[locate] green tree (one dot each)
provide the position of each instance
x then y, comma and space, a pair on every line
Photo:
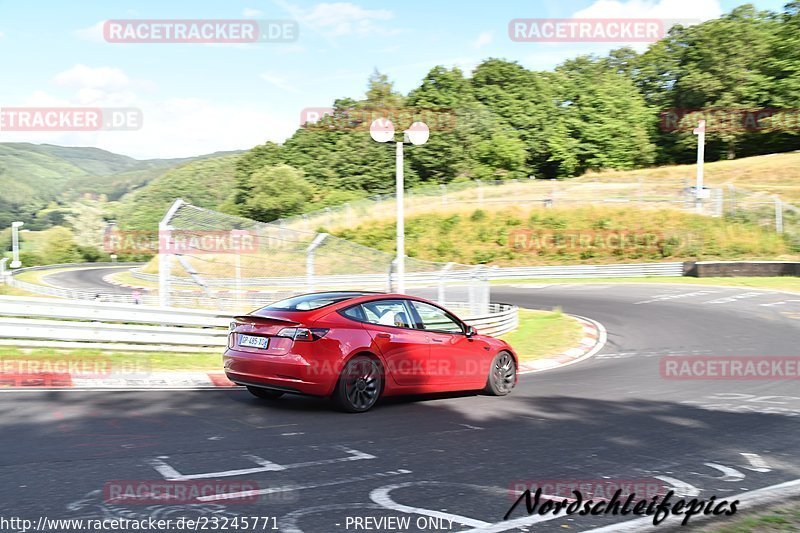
276, 191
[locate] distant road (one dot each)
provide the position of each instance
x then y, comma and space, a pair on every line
87, 279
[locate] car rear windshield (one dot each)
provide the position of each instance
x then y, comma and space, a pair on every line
309, 302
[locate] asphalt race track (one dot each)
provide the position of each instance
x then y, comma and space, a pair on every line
610, 417
87, 279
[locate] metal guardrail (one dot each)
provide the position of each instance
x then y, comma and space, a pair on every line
42, 321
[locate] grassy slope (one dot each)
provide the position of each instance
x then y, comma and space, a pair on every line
772, 174
543, 334
499, 235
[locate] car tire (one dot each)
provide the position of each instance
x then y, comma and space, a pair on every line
360, 385
266, 394
502, 375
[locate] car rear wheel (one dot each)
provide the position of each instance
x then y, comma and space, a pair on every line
267, 394
359, 385
502, 375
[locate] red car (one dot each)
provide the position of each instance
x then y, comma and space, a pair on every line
358, 346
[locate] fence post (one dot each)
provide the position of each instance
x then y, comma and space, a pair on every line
310, 260
479, 190
441, 296
390, 285
720, 202
778, 215
443, 188
3, 270
164, 255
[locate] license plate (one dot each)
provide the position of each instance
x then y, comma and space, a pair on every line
251, 341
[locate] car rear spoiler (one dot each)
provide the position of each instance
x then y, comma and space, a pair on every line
265, 320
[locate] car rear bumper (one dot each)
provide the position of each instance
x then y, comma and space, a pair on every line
288, 373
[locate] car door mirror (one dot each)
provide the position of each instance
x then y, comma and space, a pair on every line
471, 331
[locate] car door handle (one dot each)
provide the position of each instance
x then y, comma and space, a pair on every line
437, 340
383, 335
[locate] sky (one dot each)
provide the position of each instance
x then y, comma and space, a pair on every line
198, 98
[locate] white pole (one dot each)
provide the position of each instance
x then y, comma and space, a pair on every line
310, 260
165, 252
701, 149
401, 230
15, 262
778, 215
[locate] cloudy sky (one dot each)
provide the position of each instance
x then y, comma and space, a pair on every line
201, 98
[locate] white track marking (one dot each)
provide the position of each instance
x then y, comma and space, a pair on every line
681, 488
166, 471
767, 495
381, 497
170, 474
784, 302
290, 488
737, 297
757, 463
664, 297
728, 473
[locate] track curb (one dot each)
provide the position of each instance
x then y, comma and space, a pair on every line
594, 338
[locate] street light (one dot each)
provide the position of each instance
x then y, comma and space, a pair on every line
382, 130
15, 263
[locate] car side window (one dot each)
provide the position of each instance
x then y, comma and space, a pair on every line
388, 313
355, 312
436, 319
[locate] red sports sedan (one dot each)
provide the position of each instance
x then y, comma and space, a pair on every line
359, 346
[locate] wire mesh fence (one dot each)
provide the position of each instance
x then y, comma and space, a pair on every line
211, 259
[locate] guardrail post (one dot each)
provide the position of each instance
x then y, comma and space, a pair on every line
778, 215
310, 260
3, 262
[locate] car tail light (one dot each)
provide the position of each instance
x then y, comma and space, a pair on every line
303, 334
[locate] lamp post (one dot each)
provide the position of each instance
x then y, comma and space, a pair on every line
15, 263
700, 131
382, 130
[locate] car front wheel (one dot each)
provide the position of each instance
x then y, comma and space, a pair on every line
359, 385
502, 375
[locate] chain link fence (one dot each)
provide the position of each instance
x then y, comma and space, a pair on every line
211, 259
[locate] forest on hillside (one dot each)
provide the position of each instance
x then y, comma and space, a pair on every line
503, 121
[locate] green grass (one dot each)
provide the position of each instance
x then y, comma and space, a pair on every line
534, 235
782, 517
121, 361
782, 283
543, 334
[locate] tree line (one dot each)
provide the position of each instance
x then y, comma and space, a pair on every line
624, 111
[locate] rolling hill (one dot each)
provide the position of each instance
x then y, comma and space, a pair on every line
33, 175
